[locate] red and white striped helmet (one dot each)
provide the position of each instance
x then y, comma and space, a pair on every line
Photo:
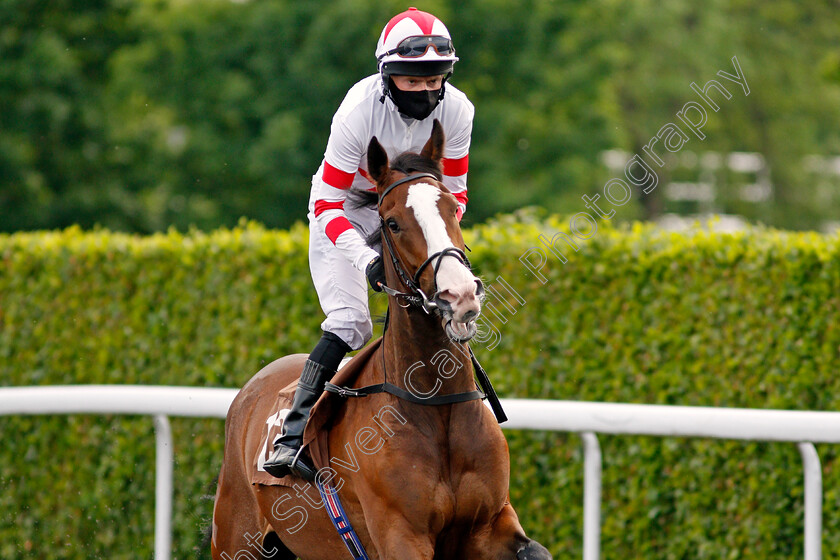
415, 43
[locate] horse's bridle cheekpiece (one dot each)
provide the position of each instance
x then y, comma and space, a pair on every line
416, 296
419, 298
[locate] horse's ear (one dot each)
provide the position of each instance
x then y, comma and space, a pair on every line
377, 160
433, 149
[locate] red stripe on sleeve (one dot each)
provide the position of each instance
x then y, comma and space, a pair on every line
461, 197
336, 227
364, 174
337, 178
322, 206
456, 167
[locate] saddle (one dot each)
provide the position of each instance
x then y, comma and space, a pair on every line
316, 434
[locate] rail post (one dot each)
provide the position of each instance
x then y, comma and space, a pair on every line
591, 496
813, 500
163, 487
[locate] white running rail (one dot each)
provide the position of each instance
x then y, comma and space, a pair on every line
587, 418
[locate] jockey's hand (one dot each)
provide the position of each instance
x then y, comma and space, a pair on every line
375, 273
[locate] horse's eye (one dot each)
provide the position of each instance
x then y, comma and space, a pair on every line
393, 225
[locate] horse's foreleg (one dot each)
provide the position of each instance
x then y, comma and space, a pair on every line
504, 539
395, 539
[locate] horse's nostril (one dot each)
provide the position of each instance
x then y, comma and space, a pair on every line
469, 316
479, 288
442, 300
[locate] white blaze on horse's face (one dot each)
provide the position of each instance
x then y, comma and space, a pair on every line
459, 290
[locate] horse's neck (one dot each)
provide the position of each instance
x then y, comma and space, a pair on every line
421, 359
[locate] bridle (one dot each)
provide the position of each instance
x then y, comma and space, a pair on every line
415, 296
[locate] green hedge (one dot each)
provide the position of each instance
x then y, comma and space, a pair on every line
636, 315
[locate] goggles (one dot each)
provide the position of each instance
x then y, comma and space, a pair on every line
418, 45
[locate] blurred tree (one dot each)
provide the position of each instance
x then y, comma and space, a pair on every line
792, 110
537, 132
141, 114
651, 52
55, 151
236, 100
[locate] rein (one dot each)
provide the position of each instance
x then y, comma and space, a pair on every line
403, 394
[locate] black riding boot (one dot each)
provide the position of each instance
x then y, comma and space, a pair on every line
319, 368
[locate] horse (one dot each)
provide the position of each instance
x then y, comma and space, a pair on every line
419, 480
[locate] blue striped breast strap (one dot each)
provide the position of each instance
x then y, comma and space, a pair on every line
332, 503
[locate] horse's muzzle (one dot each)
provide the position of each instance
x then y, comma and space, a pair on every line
459, 308
463, 303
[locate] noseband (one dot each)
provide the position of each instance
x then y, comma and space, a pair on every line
416, 296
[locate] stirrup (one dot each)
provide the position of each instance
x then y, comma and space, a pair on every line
299, 467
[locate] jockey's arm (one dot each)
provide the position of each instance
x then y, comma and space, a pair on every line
456, 159
341, 162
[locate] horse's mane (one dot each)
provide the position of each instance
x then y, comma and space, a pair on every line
415, 163
407, 163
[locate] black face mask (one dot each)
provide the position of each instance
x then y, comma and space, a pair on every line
415, 104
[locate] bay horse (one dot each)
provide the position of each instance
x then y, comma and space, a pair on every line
418, 481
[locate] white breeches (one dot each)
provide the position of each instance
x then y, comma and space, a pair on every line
342, 289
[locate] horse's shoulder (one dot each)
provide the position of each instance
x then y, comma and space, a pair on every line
476, 434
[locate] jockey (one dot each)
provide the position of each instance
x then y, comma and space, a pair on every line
397, 105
